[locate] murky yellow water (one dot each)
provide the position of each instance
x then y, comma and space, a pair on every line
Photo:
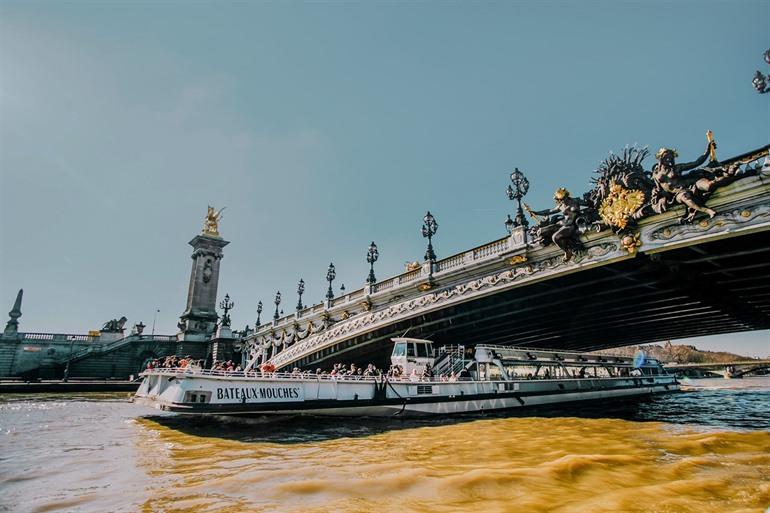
707, 450
514, 464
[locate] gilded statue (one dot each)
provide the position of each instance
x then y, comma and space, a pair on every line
211, 223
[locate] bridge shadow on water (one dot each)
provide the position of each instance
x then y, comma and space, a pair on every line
302, 429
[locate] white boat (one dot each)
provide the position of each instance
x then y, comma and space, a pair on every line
487, 378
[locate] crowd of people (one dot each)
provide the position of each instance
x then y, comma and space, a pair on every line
338, 370
187, 362
353, 371
174, 362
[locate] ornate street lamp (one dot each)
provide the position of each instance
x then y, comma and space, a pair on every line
330, 275
371, 258
518, 191
300, 291
226, 305
429, 228
509, 224
760, 81
342, 289
277, 302
259, 313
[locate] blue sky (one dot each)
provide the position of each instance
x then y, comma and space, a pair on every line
324, 126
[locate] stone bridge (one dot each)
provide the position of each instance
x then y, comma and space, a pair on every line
660, 277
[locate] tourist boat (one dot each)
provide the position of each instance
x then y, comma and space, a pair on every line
485, 378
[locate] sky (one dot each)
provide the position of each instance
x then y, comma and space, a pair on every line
324, 126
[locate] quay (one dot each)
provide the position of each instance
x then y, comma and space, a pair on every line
57, 386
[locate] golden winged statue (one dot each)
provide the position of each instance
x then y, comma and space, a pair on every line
211, 223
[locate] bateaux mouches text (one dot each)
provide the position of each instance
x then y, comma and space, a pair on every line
259, 394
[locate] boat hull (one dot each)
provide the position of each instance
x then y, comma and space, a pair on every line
221, 395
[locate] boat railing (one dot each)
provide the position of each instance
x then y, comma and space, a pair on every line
288, 376
194, 371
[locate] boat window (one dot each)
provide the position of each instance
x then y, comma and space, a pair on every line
422, 350
410, 350
399, 349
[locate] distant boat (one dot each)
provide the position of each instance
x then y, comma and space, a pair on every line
444, 382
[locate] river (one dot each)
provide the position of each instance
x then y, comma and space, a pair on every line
706, 449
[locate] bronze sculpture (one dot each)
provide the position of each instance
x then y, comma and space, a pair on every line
563, 228
114, 325
624, 192
673, 186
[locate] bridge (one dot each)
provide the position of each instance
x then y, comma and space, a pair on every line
612, 269
736, 369
676, 252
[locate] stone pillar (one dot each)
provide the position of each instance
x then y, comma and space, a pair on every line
12, 326
518, 237
199, 319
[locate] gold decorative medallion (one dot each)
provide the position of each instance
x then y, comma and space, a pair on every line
517, 259
618, 207
424, 287
366, 305
631, 243
746, 214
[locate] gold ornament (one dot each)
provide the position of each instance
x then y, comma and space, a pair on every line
618, 207
517, 259
631, 243
211, 224
662, 151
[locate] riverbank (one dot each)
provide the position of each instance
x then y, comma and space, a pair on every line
71, 386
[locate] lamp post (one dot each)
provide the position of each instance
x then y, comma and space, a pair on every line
226, 305
509, 224
429, 228
277, 302
155, 317
518, 191
330, 275
371, 257
300, 291
259, 314
760, 81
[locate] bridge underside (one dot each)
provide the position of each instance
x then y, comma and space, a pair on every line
712, 288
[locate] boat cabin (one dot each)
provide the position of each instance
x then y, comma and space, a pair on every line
412, 354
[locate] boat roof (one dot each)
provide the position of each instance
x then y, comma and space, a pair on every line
532, 355
405, 339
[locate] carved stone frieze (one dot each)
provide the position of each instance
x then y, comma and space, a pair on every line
721, 223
